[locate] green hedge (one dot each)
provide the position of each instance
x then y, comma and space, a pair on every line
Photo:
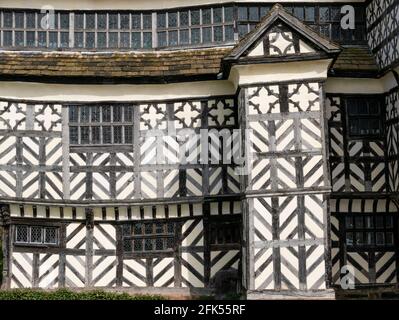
64, 294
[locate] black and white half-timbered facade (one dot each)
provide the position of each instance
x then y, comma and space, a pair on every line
189, 147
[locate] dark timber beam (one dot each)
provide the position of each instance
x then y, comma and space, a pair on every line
5, 224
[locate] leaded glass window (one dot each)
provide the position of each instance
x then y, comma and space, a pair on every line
36, 235
100, 124
148, 237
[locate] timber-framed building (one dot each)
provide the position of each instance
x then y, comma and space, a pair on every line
100, 101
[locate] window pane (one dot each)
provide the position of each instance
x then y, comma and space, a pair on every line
349, 222
101, 40
369, 222
78, 20
173, 38
242, 14
389, 238
370, 238
148, 228
253, 13
195, 17
228, 14
78, 39
136, 40
159, 244
107, 134
218, 34
19, 19
161, 20
84, 135
172, 19
206, 35
359, 238
126, 230
22, 234
73, 114
324, 14
84, 114
136, 22
335, 14
30, 20
64, 23
128, 134
90, 40
101, 21
147, 21
138, 245
53, 39
147, 40
19, 38
229, 33
195, 35
90, 21
242, 30
349, 238
73, 135
125, 40
95, 135
206, 16
183, 18
7, 19
138, 229
30, 38
299, 13
7, 38
113, 21
379, 222
95, 114
148, 244
64, 39
169, 243
36, 235
359, 222
389, 222
217, 15
106, 114
159, 227
171, 227
50, 235
127, 114
113, 40
380, 238
184, 37
125, 21
127, 245
118, 134
309, 14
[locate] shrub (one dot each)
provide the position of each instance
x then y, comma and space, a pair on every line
65, 294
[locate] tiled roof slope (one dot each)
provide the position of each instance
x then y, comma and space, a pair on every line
355, 59
187, 63
199, 63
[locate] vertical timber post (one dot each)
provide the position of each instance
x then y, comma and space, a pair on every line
89, 246
5, 223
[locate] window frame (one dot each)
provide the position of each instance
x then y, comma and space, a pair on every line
43, 231
78, 124
364, 230
364, 98
143, 236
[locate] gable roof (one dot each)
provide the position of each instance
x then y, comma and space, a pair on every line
278, 13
